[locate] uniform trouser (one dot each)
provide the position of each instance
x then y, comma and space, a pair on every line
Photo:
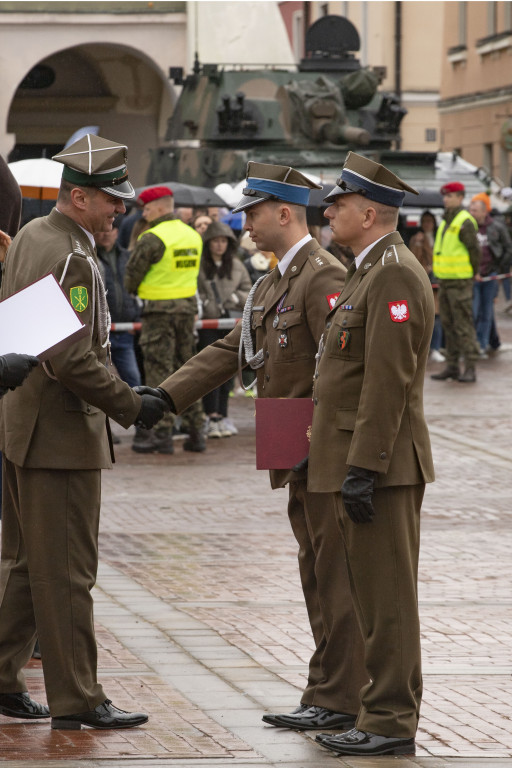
336, 669
48, 568
167, 342
382, 560
456, 311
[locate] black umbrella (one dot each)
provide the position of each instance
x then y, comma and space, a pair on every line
187, 195
427, 198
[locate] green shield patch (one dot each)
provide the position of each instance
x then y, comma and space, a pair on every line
79, 298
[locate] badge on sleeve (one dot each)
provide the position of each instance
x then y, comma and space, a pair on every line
332, 299
399, 311
79, 298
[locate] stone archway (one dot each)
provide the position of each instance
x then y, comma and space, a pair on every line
114, 87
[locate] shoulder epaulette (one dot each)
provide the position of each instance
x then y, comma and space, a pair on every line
317, 258
390, 256
77, 247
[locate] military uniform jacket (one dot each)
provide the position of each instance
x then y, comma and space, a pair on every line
57, 421
368, 392
289, 337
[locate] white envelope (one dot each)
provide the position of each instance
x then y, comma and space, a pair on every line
39, 320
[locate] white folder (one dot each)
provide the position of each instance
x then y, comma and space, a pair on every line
39, 320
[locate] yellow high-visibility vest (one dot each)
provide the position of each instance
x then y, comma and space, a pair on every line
451, 257
175, 275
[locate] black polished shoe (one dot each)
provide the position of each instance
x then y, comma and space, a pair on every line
313, 718
365, 744
106, 715
21, 705
274, 719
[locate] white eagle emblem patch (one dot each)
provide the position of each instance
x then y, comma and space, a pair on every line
399, 311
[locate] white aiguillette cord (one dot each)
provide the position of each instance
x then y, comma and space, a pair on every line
246, 347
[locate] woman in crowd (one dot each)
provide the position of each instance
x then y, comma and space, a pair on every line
223, 287
422, 245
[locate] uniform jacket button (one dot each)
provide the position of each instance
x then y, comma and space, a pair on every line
328, 325
267, 353
383, 455
267, 377
315, 401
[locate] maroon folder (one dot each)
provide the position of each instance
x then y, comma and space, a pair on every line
283, 429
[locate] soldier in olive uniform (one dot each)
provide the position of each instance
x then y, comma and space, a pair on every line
456, 260
283, 320
369, 439
163, 270
55, 440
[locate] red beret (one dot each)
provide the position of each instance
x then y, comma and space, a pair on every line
453, 186
154, 193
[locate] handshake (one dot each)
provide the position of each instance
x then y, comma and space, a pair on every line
155, 404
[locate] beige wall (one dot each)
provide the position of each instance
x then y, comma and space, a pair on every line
476, 91
114, 67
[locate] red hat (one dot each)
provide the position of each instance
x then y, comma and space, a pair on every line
154, 193
453, 186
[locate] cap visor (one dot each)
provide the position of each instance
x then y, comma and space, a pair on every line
247, 201
124, 190
333, 194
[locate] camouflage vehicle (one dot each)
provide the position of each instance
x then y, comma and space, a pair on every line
308, 118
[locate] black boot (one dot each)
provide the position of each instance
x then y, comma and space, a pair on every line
469, 375
450, 372
143, 440
195, 442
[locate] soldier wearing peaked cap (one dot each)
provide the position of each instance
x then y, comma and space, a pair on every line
55, 440
370, 441
283, 320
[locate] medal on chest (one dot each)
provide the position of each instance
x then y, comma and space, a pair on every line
343, 339
283, 340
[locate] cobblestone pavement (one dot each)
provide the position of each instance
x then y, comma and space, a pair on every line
200, 617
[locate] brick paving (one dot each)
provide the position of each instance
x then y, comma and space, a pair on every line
200, 618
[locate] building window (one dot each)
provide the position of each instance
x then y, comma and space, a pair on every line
492, 18
487, 158
298, 35
430, 134
463, 23
504, 166
507, 8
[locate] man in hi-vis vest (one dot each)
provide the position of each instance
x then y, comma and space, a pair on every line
455, 263
163, 270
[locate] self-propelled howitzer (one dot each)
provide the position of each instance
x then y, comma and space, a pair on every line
308, 118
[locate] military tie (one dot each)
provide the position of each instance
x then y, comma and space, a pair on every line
350, 272
276, 275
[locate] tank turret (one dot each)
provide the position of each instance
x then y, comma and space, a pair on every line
308, 118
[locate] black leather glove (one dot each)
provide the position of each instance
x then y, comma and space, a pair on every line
151, 411
15, 368
302, 464
357, 492
157, 392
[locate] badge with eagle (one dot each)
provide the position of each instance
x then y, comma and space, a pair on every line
399, 311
